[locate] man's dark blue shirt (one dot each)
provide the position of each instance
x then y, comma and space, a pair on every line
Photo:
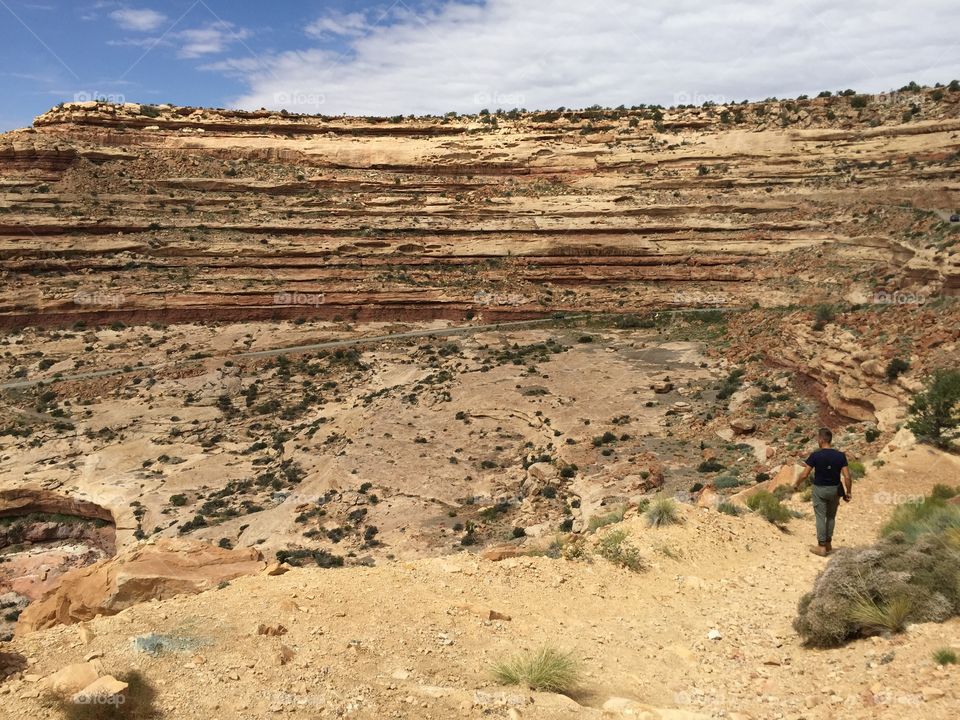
826, 464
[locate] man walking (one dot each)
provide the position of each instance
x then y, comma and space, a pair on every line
827, 465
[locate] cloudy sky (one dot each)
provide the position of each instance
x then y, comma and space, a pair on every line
419, 56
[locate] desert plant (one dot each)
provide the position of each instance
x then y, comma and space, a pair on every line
662, 511
726, 482
944, 656
823, 315
944, 492
931, 516
598, 521
767, 505
729, 509
613, 548
935, 411
896, 368
874, 616
857, 469
546, 669
880, 587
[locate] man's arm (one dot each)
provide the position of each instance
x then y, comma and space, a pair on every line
803, 477
847, 483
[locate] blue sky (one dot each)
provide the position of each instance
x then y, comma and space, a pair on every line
417, 56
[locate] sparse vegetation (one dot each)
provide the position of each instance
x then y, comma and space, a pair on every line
945, 656
935, 411
614, 548
768, 506
546, 669
661, 512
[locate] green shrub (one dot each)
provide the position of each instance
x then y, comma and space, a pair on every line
932, 516
896, 368
945, 656
857, 469
178, 500
711, 465
662, 511
598, 521
823, 315
871, 434
768, 506
726, 482
944, 492
881, 587
546, 669
935, 411
728, 508
613, 548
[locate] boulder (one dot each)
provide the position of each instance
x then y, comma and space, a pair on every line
147, 571
501, 552
101, 691
544, 472
742, 426
71, 679
786, 476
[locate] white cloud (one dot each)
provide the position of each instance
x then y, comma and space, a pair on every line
212, 39
545, 53
140, 20
352, 24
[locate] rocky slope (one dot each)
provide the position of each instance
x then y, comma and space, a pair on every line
704, 632
142, 213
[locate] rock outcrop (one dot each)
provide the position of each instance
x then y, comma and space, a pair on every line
146, 572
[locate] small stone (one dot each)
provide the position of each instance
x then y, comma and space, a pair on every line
714, 634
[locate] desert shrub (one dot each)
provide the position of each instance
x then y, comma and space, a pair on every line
823, 315
726, 482
944, 656
944, 492
546, 669
731, 384
614, 548
598, 521
935, 411
896, 368
932, 516
662, 511
881, 587
767, 505
871, 434
137, 703
859, 101
857, 469
711, 465
728, 508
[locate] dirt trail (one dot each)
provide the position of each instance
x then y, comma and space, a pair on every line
395, 641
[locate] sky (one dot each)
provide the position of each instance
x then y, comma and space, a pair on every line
434, 56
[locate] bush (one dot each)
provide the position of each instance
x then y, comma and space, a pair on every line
944, 656
612, 548
944, 492
598, 521
768, 506
178, 500
871, 434
546, 669
896, 368
935, 411
857, 469
881, 587
858, 101
726, 482
824, 314
662, 511
728, 508
711, 465
932, 516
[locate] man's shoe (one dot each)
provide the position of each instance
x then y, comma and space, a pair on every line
820, 550
829, 548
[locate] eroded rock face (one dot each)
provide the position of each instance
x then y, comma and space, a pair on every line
149, 571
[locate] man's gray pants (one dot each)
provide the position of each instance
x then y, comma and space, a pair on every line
826, 500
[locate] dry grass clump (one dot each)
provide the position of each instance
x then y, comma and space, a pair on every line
546, 669
614, 548
662, 511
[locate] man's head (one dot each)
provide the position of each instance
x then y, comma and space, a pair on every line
825, 437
